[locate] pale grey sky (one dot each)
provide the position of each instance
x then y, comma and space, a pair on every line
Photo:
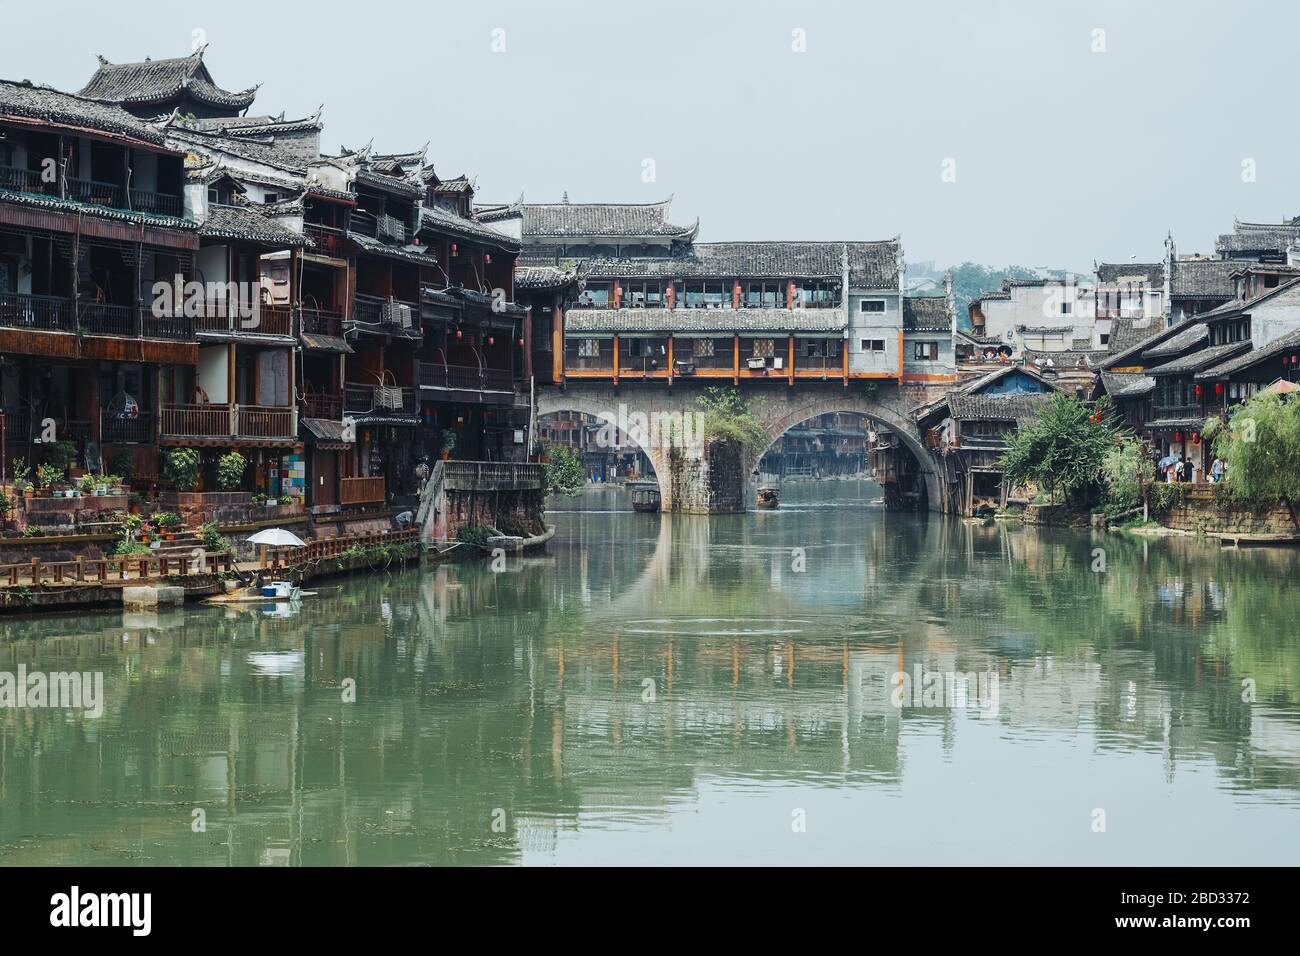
1061, 154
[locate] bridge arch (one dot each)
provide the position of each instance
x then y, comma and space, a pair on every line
777, 407
598, 405
781, 412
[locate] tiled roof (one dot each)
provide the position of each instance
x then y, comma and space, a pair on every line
1128, 332
872, 265
1184, 340
452, 187
926, 313
495, 212
157, 81
1118, 273
420, 256
325, 343
544, 277
42, 103
190, 137
1203, 279
984, 381
258, 125
1257, 238
248, 224
1127, 384
1067, 358
440, 220
705, 320
54, 204
603, 220
1284, 343
997, 408
397, 184
1201, 359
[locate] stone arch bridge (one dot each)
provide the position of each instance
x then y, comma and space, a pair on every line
656, 418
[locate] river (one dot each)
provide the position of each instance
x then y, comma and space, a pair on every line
671, 689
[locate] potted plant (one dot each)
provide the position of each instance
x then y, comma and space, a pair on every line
448, 443
181, 468
230, 471
258, 498
169, 522
46, 476
134, 502
88, 486
22, 474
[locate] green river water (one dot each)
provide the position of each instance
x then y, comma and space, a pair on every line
660, 689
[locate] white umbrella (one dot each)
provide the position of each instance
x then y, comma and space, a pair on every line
276, 537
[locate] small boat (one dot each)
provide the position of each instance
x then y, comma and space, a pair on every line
645, 495
259, 594
767, 498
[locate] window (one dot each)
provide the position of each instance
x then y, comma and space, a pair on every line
1105, 338
925, 351
270, 197
763, 348
596, 294
589, 348
813, 348
1065, 308
871, 305
704, 348
873, 345
1270, 282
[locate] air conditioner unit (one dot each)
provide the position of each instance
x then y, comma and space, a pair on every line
756, 363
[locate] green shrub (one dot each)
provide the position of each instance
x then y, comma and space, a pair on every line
181, 468
564, 474
230, 471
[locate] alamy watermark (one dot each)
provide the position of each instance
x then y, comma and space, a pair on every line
971, 690
683, 430
70, 690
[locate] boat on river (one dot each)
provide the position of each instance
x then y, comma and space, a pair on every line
261, 594
768, 498
645, 495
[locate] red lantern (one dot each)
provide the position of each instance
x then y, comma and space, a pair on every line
1196, 438
521, 343
491, 340
1198, 391
1178, 436
487, 258
453, 249
458, 333
1218, 388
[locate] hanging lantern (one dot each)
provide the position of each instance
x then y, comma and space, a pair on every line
459, 333
1178, 436
1196, 438
487, 258
491, 340
521, 343
1218, 388
1198, 391
453, 250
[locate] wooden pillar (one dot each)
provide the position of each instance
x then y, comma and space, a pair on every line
616, 360
670, 359
791, 373
557, 340
900, 357
845, 357
735, 360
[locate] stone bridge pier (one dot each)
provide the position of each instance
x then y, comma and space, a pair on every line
703, 479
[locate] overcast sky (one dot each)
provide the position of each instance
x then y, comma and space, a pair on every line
1061, 155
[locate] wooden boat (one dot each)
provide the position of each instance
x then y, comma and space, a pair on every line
261, 594
768, 498
645, 495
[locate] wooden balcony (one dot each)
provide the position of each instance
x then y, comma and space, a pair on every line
255, 423
142, 200
366, 399
37, 313
386, 314
322, 406
126, 431
357, 491
222, 319
26, 181
326, 240
323, 322
465, 377
94, 192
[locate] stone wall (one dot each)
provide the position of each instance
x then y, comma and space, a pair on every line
466, 508
223, 507
1201, 513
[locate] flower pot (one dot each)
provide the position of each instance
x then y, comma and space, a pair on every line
170, 536
443, 456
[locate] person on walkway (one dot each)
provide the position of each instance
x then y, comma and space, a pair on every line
1216, 470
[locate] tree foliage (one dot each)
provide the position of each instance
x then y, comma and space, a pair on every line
181, 468
1261, 445
1063, 451
727, 418
564, 474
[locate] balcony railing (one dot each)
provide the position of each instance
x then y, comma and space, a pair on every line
165, 326
393, 313
328, 240
379, 398
322, 322
235, 319
98, 318
42, 313
93, 192
356, 491
142, 200
226, 421
322, 406
469, 377
26, 181
120, 429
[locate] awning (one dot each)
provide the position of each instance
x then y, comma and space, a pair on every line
325, 343
324, 434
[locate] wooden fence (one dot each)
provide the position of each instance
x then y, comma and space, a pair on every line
113, 568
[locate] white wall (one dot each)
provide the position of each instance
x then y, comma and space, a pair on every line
213, 372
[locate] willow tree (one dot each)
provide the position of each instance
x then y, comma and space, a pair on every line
1261, 445
1063, 451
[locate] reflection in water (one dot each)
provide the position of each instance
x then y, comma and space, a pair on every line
673, 689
